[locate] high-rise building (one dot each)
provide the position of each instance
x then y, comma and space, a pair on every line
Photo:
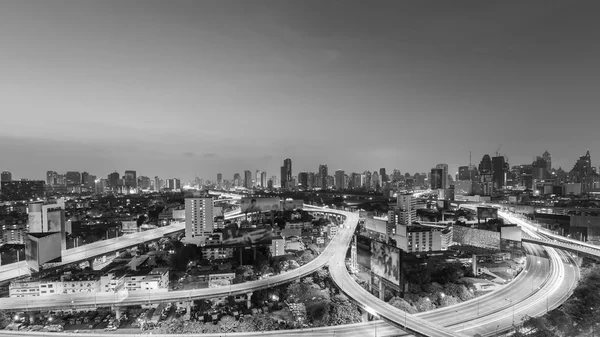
340, 182
286, 174
464, 173
257, 180
436, 182
130, 179
5, 176
323, 175
51, 178
406, 209
48, 217
383, 175
144, 183
312, 180
22, 189
237, 180
548, 158
303, 179
199, 219
263, 179
485, 166
73, 178
113, 179
173, 184
444, 168
582, 168
157, 185
366, 180
247, 179
375, 183
220, 180
498, 172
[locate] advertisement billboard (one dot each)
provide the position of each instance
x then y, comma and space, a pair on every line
244, 237
487, 213
249, 205
292, 205
385, 261
465, 236
512, 233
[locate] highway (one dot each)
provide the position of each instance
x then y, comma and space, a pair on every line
496, 314
339, 243
103, 247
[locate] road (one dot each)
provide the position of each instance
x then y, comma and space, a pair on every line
529, 293
100, 248
339, 243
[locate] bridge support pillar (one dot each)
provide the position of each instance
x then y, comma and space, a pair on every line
91, 263
248, 300
188, 307
104, 258
117, 312
31, 317
381, 291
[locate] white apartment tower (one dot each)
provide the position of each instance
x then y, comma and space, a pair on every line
199, 218
406, 212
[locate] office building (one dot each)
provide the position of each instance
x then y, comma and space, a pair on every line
303, 179
286, 174
144, 183
173, 184
247, 179
436, 181
463, 188
113, 179
73, 178
499, 168
444, 168
383, 175
199, 220
263, 179
130, 179
22, 190
42, 248
257, 180
375, 182
340, 183
323, 173
220, 180
582, 168
51, 178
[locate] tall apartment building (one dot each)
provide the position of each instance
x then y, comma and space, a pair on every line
422, 239
340, 178
323, 176
406, 211
199, 219
247, 179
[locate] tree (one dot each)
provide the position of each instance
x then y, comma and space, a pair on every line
318, 312
401, 304
263, 322
4, 319
228, 324
209, 327
343, 311
307, 256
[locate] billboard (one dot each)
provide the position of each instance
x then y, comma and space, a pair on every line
244, 237
512, 233
249, 205
487, 213
35, 217
385, 261
291, 205
465, 236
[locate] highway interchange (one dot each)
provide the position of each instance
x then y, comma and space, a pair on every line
530, 293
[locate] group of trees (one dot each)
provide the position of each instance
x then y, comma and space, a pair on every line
227, 324
578, 316
431, 296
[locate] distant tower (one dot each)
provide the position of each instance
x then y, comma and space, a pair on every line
548, 158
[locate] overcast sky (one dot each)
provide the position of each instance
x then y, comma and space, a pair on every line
185, 88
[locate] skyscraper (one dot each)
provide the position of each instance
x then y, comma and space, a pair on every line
582, 168
257, 181
130, 179
323, 175
286, 174
485, 166
237, 179
303, 179
113, 179
436, 180
444, 168
375, 183
340, 182
73, 178
548, 158
406, 209
247, 179
157, 186
498, 172
263, 179
220, 180
383, 175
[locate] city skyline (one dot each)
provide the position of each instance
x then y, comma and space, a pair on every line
190, 88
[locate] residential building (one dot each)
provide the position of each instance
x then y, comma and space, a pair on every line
199, 218
444, 175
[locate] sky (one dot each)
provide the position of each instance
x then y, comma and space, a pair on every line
192, 88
